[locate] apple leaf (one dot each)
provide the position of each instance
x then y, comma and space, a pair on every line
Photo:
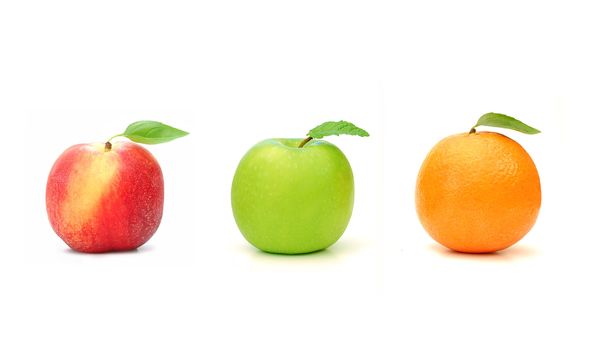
151, 132
504, 121
336, 128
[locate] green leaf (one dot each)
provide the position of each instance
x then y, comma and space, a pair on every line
504, 121
336, 128
152, 132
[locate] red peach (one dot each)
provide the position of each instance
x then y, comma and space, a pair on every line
100, 199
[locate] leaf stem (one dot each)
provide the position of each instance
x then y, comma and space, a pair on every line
114, 136
108, 143
306, 140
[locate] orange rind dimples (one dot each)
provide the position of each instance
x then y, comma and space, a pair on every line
478, 192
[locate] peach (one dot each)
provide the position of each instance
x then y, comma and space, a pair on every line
103, 197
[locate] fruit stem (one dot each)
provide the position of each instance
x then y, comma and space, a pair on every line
306, 140
108, 144
472, 131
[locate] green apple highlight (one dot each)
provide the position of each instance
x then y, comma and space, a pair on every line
294, 196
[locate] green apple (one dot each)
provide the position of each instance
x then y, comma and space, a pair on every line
293, 196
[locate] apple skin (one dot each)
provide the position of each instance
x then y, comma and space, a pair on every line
100, 201
292, 200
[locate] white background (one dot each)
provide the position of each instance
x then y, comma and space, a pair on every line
236, 72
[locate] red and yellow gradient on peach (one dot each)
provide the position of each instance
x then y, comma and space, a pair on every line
102, 200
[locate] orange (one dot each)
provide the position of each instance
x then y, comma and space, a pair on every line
478, 192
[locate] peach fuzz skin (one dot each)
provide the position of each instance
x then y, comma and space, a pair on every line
102, 200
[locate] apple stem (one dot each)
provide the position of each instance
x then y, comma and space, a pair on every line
306, 140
